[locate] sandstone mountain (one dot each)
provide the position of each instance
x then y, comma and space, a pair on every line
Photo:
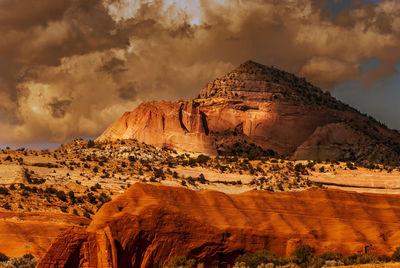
257, 109
149, 224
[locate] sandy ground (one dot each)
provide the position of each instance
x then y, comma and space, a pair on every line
360, 180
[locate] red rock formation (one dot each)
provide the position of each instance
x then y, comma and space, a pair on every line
264, 106
150, 224
164, 124
32, 232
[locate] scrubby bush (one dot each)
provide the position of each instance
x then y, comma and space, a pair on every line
3, 257
360, 259
159, 173
4, 191
203, 159
396, 255
202, 179
91, 198
303, 253
253, 260
331, 256
27, 261
181, 262
350, 166
61, 195
384, 258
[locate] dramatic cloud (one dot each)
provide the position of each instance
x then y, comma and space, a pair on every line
69, 68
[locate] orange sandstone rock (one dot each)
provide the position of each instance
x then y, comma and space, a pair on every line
149, 224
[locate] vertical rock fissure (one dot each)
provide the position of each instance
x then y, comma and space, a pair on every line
181, 119
204, 122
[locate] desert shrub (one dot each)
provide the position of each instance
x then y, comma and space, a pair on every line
384, 258
6, 206
396, 254
104, 198
27, 261
253, 260
71, 195
202, 179
4, 191
49, 190
360, 259
181, 262
91, 198
159, 173
64, 209
332, 256
203, 159
350, 166
192, 162
303, 253
3, 257
298, 167
61, 195
90, 144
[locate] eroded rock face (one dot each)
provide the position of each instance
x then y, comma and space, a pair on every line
262, 106
182, 126
149, 224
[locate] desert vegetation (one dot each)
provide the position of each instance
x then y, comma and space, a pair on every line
79, 177
26, 261
302, 257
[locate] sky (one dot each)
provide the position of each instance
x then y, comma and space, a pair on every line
69, 68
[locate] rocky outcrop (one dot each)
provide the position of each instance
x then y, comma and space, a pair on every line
22, 233
341, 141
149, 224
264, 107
181, 125
12, 173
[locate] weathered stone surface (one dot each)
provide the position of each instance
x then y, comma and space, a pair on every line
150, 224
22, 233
12, 173
264, 106
164, 124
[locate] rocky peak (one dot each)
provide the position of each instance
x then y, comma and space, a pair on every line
251, 70
260, 106
254, 81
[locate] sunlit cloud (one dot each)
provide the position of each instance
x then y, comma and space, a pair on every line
70, 68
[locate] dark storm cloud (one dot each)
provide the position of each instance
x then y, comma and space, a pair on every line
128, 92
59, 107
113, 66
69, 68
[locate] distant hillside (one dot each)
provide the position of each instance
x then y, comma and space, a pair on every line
255, 111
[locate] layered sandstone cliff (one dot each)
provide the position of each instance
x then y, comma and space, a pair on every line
149, 224
264, 107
